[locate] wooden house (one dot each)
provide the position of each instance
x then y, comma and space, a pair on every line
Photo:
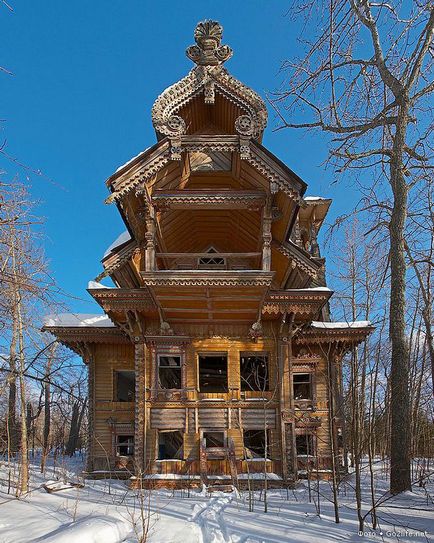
214, 355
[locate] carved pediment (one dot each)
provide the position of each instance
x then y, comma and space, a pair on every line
209, 78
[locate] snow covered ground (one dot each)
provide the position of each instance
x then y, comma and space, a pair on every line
107, 512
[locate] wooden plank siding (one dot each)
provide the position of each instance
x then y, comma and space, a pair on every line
231, 412
107, 359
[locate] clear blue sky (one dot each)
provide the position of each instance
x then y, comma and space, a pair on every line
78, 105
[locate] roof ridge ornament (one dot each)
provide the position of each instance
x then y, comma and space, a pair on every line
207, 78
209, 51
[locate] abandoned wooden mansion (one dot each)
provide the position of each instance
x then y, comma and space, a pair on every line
214, 354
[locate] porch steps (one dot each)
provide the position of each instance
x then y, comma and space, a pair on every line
219, 483
220, 487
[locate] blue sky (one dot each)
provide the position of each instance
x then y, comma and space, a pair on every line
78, 105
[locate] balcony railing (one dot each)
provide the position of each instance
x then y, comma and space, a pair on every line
209, 261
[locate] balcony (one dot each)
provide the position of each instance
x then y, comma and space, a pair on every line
210, 260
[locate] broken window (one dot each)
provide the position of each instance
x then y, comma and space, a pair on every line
124, 445
304, 444
169, 371
125, 385
214, 262
302, 386
256, 443
254, 372
213, 373
170, 445
214, 439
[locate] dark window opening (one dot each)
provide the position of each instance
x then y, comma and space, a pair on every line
170, 445
302, 386
213, 373
256, 443
340, 439
254, 372
169, 371
125, 384
124, 445
214, 439
304, 444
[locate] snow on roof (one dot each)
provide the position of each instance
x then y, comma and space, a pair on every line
314, 198
123, 238
95, 284
131, 160
78, 320
325, 289
309, 289
341, 325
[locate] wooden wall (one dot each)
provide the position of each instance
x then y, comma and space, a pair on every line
107, 359
200, 410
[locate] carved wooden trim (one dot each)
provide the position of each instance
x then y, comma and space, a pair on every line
204, 278
208, 199
303, 261
116, 260
347, 337
302, 303
115, 299
154, 161
139, 413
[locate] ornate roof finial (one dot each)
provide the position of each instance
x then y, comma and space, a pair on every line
209, 51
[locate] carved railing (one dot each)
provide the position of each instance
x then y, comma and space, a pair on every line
209, 261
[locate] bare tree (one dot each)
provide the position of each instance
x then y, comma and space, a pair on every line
366, 78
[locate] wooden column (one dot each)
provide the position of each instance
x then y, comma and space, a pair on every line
266, 236
140, 405
289, 457
150, 239
291, 450
281, 353
91, 412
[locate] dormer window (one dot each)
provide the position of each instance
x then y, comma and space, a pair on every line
213, 261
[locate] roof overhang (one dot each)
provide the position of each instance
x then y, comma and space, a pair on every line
314, 209
124, 299
304, 304
209, 296
341, 339
148, 163
300, 258
78, 339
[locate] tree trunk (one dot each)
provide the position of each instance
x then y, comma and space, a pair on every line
47, 420
400, 479
74, 432
24, 482
12, 402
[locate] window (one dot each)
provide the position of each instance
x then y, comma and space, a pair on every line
302, 386
169, 371
170, 445
304, 444
208, 161
124, 445
125, 384
256, 443
213, 373
254, 372
214, 262
214, 439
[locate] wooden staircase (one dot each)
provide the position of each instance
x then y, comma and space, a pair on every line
214, 484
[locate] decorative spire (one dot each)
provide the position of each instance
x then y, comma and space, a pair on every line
209, 51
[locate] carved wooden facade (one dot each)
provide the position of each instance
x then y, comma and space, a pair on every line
215, 359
